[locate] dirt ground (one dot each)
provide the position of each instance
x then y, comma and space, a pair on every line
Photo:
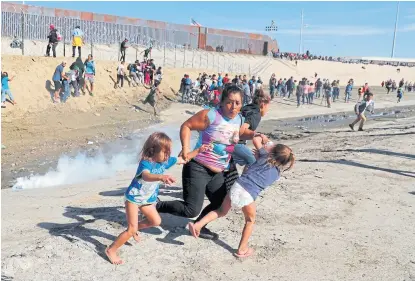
345, 212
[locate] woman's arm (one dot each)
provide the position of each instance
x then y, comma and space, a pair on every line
197, 122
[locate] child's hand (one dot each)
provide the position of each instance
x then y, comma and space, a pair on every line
205, 147
167, 179
181, 161
264, 138
255, 152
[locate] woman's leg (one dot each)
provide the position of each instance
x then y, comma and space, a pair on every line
242, 155
54, 49
131, 212
250, 214
211, 216
195, 178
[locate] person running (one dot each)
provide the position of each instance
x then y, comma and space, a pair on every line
252, 113
53, 41
90, 74
399, 94
159, 75
123, 48
360, 109
133, 69
272, 161
120, 75
220, 128
57, 79
388, 86
74, 74
77, 40
5, 89
153, 97
141, 195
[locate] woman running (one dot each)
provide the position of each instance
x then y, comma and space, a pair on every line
204, 174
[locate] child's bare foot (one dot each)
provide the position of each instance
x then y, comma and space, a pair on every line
113, 257
136, 237
193, 230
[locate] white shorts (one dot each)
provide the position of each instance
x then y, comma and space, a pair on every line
239, 196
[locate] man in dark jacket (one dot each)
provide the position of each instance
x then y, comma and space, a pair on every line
53, 41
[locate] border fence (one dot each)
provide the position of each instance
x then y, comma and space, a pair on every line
31, 24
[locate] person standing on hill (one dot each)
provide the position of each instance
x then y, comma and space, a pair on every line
123, 48
89, 73
319, 86
57, 79
147, 53
53, 41
77, 40
5, 89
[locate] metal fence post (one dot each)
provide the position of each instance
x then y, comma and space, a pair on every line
92, 47
136, 53
164, 56
22, 33
64, 37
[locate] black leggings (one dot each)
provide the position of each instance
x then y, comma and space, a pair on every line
74, 49
53, 46
122, 55
197, 181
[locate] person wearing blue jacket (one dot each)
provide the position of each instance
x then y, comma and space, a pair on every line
348, 92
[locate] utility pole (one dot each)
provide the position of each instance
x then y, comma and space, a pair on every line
394, 33
301, 31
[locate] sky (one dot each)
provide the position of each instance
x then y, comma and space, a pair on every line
331, 28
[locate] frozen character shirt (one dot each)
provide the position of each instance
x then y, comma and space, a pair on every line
222, 134
141, 192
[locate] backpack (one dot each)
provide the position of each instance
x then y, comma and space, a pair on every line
129, 66
58, 36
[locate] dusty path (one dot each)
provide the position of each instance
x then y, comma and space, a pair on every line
344, 213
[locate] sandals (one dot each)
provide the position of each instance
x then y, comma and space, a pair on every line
247, 254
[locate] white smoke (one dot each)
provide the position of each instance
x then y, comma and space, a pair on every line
84, 168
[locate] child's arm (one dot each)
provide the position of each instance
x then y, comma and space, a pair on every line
258, 142
149, 177
192, 154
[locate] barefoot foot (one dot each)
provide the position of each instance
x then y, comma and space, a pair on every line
192, 228
136, 237
113, 257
